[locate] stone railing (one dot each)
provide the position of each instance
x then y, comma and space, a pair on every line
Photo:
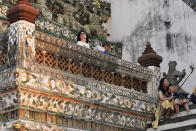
78, 67
89, 63
88, 52
67, 33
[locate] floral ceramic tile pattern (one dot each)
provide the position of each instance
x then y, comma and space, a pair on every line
77, 109
92, 95
7, 78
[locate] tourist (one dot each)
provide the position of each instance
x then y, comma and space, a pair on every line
165, 104
193, 96
106, 47
82, 39
172, 92
99, 48
181, 101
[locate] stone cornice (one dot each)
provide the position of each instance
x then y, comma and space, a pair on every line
83, 81
93, 54
79, 100
81, 110
78, 88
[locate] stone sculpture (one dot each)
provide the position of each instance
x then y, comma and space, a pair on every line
174, 76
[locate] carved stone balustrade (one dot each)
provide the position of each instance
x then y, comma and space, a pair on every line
89, 63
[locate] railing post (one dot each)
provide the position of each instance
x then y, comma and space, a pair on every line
153, 84
21, 45
150, 59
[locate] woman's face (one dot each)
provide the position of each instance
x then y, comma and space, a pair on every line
83, 35
166, 83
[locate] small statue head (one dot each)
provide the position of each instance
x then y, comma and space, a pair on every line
172, 65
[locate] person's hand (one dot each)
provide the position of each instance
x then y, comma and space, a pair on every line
175, 90
171, 97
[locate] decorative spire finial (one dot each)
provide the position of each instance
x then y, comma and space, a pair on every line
149, 57
23, 10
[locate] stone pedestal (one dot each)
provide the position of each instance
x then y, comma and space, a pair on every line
152, 86
150, 59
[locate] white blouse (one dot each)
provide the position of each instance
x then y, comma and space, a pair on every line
99, 48
80, 43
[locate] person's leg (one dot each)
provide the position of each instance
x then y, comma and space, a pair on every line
168, 113
162, 112
186, 106
177, 108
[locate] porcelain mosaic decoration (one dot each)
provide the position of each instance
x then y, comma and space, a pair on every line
47, 82
87, 93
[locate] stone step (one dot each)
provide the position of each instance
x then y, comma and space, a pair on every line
183, 121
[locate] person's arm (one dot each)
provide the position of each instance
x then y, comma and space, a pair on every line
99, 48
87, 46
79, 43
83, 44
162, 98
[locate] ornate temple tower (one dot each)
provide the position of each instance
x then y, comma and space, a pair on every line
48, 83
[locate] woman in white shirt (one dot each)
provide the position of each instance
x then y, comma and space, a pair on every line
82, 39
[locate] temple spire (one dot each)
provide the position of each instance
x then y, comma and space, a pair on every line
149, 57
23, 10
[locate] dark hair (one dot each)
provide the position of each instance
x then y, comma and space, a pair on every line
161, 87
78, 36
106, 44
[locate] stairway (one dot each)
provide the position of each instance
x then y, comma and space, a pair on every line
182, 122
191, 3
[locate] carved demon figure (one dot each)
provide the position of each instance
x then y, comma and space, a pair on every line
174, 76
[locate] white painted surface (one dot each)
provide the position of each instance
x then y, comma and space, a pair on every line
137, 21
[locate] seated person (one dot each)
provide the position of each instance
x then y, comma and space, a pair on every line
104, 49
181, 100
99, 48
172, 92
165, 104
82, 39
193, 96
